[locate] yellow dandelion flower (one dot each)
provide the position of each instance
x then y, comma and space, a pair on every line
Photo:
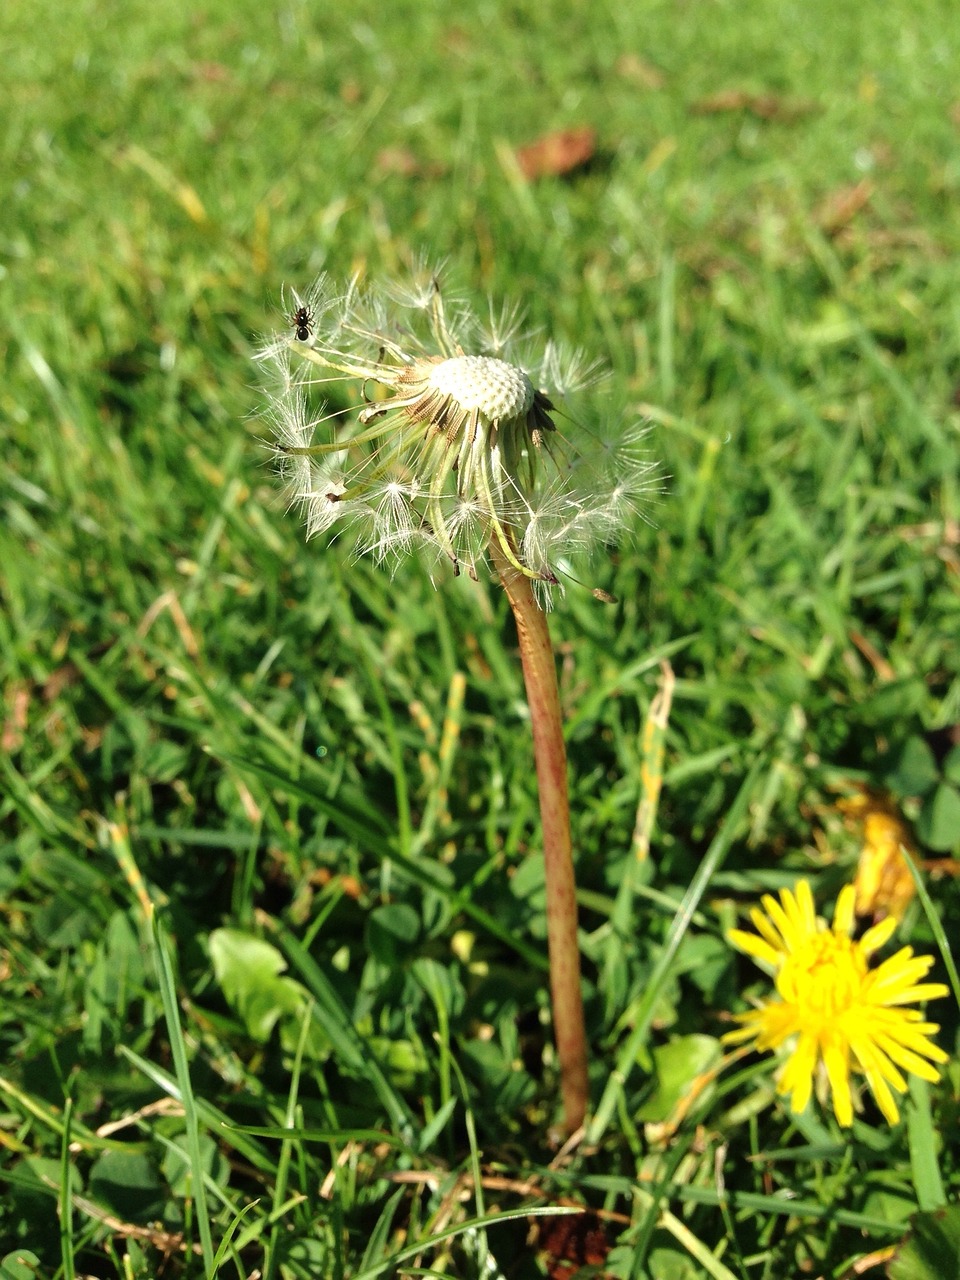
834, 1013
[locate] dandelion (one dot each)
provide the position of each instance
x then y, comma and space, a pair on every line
835, 1014
884, 881
466, 449
465, 446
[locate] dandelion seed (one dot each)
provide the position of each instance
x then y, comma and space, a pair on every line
462, 442
834, 1014
501, 331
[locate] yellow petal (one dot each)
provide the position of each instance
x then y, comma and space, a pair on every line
879, 935
756, 947
908, 1059
836, 1059
843, 913
885, 1099
798, 1074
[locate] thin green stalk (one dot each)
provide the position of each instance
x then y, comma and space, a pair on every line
178, 1049
66, 1194
290, 1120
643, 1017
543, 697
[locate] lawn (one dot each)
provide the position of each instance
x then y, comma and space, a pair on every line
272, 912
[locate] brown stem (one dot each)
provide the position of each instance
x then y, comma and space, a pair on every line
543, 697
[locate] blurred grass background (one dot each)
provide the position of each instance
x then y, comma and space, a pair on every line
762, 247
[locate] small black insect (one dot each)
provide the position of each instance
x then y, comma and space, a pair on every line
301, 320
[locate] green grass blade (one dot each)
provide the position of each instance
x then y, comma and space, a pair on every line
66, 1195
713, 860
924, 1142
451, 1233
936, 925
695, 1247
287, 1146
178, 1048
338, 1026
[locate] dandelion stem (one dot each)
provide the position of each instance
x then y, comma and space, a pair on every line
540, 678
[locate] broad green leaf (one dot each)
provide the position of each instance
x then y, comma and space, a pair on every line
176, 1167
392, 932
20, 1265
440, 982
249, 972
127, 1183
951, 765
894, 702
678, 1063
914, 769
939, 823
673, 1264
932, 1250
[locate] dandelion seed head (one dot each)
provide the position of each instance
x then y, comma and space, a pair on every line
458, 443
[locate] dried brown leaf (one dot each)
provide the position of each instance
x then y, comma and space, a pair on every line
558, 153
767, 106
838, 209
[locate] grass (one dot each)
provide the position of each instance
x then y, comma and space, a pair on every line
272, 910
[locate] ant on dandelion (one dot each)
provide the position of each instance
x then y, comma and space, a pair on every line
301, 320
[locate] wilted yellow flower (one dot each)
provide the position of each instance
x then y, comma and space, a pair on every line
835, 1014
884, 883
